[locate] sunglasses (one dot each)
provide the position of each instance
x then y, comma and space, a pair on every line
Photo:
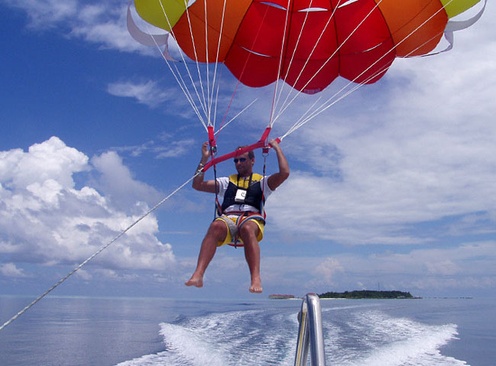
242, 160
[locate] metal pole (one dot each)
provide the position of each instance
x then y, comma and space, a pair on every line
316, 331
310, 334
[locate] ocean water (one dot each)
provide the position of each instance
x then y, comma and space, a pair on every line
149, 332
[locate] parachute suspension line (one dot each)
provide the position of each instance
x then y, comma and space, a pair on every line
207, 67
189, 88
202, 99
337, 97
288, 101
225, 124
284, 46
195, 88
207, 83
346, 91
175, 73
208, 100
210, 89
216, 100
265, 154
300, 36
213, 151
168, 60
215, 84
186, 91
102, 248
218, 206
213, 87
341, 94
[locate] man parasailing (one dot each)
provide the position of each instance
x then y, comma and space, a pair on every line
241, 212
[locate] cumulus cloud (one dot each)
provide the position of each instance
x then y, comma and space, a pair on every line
116, 180
327, 269
51, 160
46, 219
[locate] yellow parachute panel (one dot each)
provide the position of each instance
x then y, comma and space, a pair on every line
456, 7
161, 13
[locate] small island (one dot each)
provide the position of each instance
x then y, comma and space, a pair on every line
367, 294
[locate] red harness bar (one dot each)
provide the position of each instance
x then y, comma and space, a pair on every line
211, 139
262, 143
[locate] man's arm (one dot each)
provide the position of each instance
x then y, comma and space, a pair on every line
276, 179
198, 183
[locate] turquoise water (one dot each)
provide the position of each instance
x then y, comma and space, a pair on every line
130, 332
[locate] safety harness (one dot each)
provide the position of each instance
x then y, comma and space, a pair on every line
243, 216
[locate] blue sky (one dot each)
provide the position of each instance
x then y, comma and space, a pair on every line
391, 188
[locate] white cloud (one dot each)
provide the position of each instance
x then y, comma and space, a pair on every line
11, 270
49, 160
153, 95
164, 146
175, 149
45, 219
419, 149
443, 269
384, 166
102, 23
118, 184
45, 14
147, 93
327, 269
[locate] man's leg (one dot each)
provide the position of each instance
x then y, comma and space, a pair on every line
216, 233
248, 233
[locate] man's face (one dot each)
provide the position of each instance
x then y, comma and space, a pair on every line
244, 164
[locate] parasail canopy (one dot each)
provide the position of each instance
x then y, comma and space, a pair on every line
307, 43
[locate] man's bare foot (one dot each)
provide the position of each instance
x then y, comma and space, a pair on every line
256, 290
256, 287
197, 282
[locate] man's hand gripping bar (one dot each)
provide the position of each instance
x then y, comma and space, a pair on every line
260, 144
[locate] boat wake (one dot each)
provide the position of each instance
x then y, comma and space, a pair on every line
353, 336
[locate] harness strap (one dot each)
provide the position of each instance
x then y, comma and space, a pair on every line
232, 226
235, 227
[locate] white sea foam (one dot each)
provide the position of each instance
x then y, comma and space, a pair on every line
232, 338
381, 340
355, 336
